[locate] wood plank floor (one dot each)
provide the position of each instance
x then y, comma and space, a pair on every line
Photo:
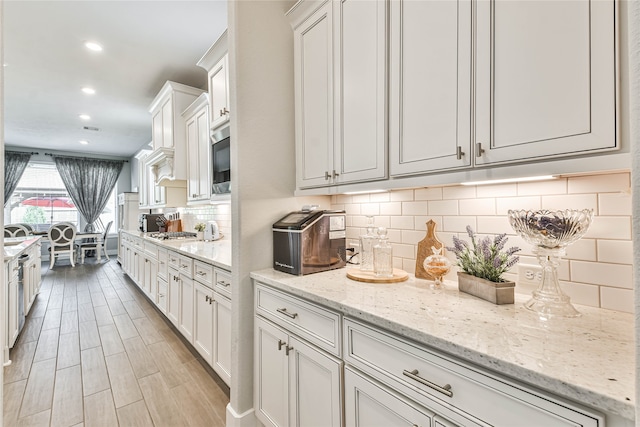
95, 352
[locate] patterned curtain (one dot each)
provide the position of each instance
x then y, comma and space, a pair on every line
89, 183
14, 165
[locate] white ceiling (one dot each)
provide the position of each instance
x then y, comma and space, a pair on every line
145, 44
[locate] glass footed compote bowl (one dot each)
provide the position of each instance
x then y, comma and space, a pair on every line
437, 265
551, 232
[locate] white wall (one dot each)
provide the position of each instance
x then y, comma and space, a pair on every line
2, 301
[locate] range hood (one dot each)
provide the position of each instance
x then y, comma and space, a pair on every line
162, 163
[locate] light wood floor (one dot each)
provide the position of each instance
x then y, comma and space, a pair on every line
95, 352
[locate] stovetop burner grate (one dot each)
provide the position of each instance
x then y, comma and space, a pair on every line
171, 235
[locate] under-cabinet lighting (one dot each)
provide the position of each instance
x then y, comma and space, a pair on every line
93, 46
84, 142
365, 192
88, 90
507, 180
84, 116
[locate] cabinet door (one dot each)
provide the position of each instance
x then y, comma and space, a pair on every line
369, 404
193, 183
162, 295
156, 129
151, 276
218, 84
167, 123
360, 105
313, 72
186, 307
315, 386
271, 385
143, 182
12, 323
222, 337
204, 155
430, 86
546, 79
173, 305
204, 323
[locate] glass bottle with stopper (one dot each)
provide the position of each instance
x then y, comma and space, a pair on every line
383, 255
367, 242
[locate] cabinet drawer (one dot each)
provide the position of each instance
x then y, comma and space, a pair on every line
163, 263
203, 273
151, 249
185, 266
444, 384
174, 260
223, 282
318, 325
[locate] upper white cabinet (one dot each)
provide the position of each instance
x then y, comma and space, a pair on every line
430, 86
168, 158
545, 79
216, 62
198, 150
340, 91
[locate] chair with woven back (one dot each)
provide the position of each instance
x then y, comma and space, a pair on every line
61, 238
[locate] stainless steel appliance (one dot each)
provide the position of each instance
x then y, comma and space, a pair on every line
149, 223
309, 241
221, 161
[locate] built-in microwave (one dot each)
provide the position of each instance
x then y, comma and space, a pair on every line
221, 161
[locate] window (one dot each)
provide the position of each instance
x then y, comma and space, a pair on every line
40, 199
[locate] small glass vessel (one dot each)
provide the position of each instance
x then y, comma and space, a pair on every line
367, 242
383, 255
437, 265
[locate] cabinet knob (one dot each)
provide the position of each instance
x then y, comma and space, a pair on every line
479, 149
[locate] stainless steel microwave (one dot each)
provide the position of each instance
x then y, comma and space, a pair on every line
221, 161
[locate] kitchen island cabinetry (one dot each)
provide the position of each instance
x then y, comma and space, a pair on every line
296, 383
340, 102
13, 303
198, 151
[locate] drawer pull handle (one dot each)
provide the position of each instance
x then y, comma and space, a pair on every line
201, 273
286, 313
160, 295
445, 389
287, 349
280, 344
223, 283
183, 266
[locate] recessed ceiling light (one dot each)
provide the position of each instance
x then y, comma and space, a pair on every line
83, 142
88, 90
84, 116
93, 46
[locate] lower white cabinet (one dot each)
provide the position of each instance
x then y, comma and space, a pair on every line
203, 325
11, 278
173, 303
295, 383
186, 307
162, 295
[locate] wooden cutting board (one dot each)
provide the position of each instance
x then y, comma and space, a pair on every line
174, 225
368, 276
424, 250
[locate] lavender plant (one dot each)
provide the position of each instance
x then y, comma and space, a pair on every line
484, 258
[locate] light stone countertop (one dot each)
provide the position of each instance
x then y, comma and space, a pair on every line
589, 359
217, 253
14, 246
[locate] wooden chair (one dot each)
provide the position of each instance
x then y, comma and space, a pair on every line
15, 230
99, 245
61, 237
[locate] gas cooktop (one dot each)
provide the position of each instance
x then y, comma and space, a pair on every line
173, 235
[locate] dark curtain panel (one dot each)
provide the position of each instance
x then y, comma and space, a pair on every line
14, 165
89, 183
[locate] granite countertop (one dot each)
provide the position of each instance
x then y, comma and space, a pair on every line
589, 359
15, 246
217, 253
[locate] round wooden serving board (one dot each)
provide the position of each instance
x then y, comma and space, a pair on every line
368, 276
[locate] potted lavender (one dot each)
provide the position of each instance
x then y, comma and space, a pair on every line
483, 262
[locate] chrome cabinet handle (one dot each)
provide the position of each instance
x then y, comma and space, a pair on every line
280, 344
286, 313
459, 153
223, 283
445, 389
479, 149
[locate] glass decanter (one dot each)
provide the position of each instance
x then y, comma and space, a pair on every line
437, 265
367, 242
383, 255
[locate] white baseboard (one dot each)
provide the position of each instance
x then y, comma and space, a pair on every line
246, 419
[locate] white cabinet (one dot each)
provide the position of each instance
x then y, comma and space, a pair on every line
430, 86
11, 278
203, 321
545, 79
296, 382
143, 181
186, 307
221, 357
216, 62
32, 276
198, 151
173, 293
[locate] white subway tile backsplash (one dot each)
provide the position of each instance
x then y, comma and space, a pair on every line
370, 209
443, 207
573, 201
583, 249
581, 293
412, 237
414, 208
493, 225
616, 299
615, 251
598, 273
614, 204
504, 204
395, 236
458, 223
497, 190
536, 188
606, 183
402, 222
361, 198
379, 197
610, 227
431, 193
459, 192
352, 209
404, 251
421, 222
478, 206
401, 196
391, 208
